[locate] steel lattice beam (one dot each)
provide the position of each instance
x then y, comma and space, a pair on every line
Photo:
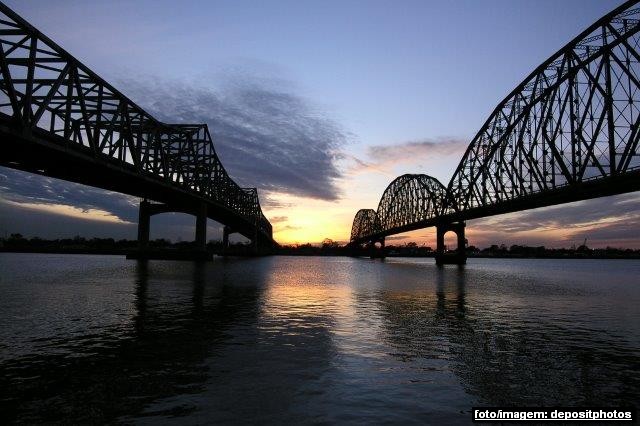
46, 94
410, 200
574, 119
568, 132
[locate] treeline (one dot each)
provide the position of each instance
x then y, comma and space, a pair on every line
412, 249
18, 243
581, 251
327, 248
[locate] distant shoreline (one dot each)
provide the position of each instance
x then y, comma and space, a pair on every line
124, 252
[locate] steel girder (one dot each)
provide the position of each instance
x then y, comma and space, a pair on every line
574, 119
44, 88
410, 199
568, 132
364, 224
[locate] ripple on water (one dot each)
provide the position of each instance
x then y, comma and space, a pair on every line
99, 338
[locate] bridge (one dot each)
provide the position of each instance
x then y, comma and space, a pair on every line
60, 119
568, 132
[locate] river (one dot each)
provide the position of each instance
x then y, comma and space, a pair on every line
311, 339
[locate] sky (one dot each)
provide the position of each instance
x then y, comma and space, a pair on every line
318, 104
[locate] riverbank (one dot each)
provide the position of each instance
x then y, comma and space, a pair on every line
320, 253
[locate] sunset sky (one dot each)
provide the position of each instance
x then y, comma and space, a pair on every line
336, 97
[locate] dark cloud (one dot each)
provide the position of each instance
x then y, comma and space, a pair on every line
36, 223
17, 214
622, 207
620, 234
604, 221
22, 187
266, 137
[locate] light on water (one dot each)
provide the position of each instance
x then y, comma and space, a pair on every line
312, 339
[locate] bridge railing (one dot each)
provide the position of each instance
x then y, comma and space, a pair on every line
45, 89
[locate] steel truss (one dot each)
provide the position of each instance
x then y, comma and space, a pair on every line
46, 93
408, 200
568, 132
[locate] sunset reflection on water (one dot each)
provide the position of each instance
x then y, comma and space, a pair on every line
295, 339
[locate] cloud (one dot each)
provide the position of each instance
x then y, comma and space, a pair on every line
603, 221
280, 224
397, 237
67, 210
288, 228
573, 215
278, 219
424, 148
35, 205
38, 222
266, 137
619, 234
382, 158
29, 189
268, 201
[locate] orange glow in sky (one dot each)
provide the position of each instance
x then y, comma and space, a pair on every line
70, 211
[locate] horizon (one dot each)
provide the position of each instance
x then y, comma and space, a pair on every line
237, 211
341, 244
322, 148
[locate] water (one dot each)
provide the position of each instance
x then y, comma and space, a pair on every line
312, 340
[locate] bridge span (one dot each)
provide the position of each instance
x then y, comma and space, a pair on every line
568, 132
60, 119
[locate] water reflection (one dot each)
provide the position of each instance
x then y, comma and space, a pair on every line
322, 340
268, 372
513, 357
114, 375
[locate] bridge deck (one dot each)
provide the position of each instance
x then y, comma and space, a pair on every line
569, 132
60, 119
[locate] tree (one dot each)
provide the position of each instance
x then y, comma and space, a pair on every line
329, 243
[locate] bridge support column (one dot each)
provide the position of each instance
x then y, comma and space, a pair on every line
144, 224
459, 257
201, 227
148, 209
375, 252
226, 231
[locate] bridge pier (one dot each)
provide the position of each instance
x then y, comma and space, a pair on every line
148, 209
375, 252
460, 256
144, 224
226, 231
252, 249
201, 227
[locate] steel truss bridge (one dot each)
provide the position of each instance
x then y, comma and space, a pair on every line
59, 119
568, 132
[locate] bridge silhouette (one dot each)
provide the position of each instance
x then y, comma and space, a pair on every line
568, 132
59, 119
